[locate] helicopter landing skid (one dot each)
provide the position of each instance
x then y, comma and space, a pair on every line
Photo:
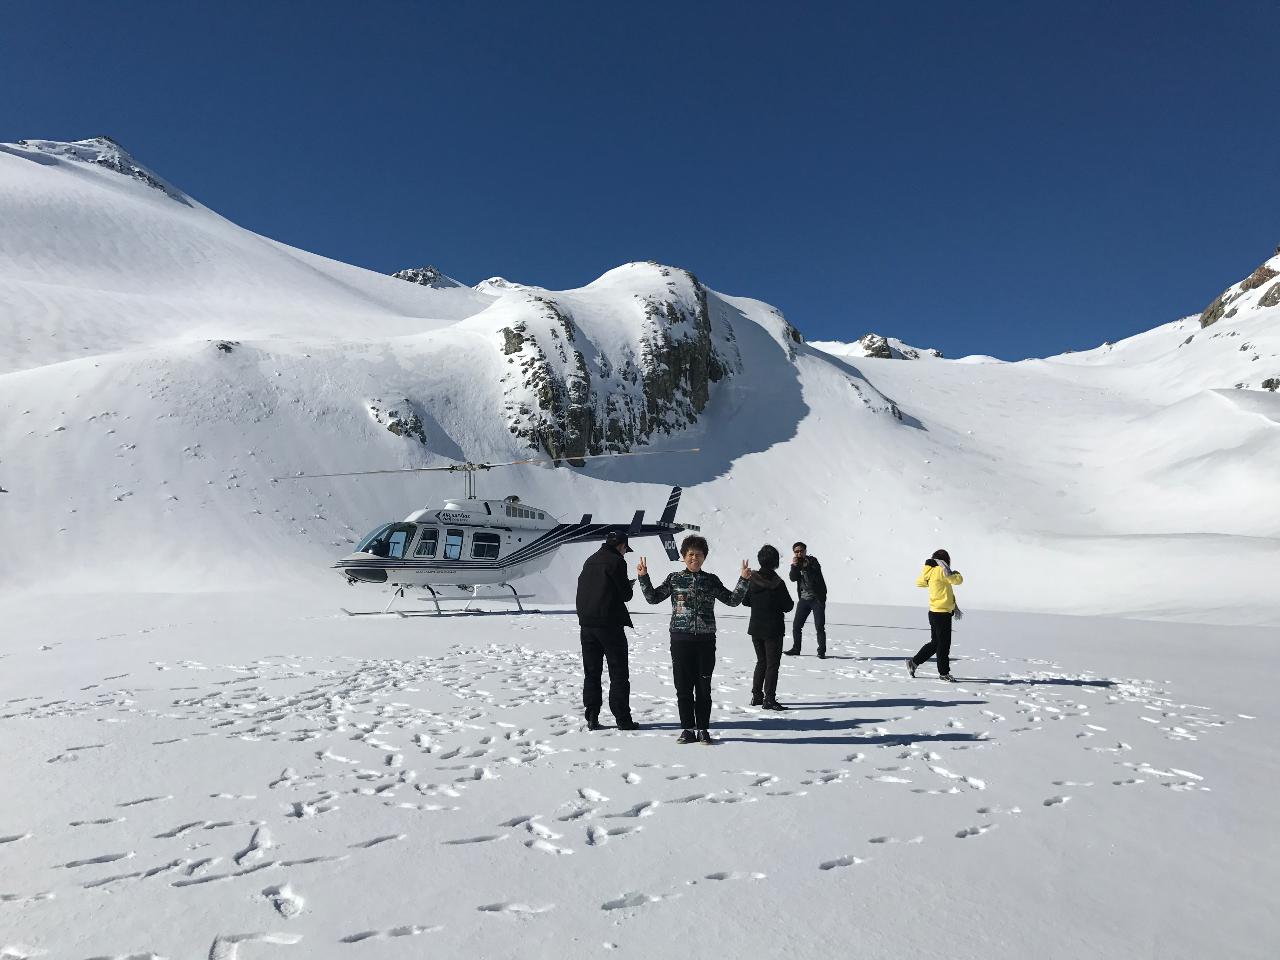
472, 595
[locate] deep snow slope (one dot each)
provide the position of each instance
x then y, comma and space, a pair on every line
162, 366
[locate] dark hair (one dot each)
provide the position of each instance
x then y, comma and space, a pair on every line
943, 556
768, 557
694, 542
799, 543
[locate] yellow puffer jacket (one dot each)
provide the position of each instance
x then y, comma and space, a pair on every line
942, 599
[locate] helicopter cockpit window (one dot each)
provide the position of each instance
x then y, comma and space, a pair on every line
427, 544
485, 546
369, 541
387, 541
453, 544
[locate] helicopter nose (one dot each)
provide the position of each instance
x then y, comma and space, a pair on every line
351, 569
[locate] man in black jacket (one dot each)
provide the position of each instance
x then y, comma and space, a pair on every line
603, 592
807, 572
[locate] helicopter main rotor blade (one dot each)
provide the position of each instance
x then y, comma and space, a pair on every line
594, 456
471, 467
362, 473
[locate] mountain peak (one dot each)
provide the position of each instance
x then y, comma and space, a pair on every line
104, 152
428, 276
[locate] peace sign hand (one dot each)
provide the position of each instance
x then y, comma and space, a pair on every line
746, 570
642, 567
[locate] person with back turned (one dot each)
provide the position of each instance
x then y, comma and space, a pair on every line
603, 591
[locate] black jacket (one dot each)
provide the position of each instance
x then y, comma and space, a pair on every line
769, 600
813, 585
603, 590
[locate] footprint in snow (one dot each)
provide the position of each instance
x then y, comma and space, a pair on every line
634, 899
407, 931
286, 903
847, 861
1056, 801
974, 831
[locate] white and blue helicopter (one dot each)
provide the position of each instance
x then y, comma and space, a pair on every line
469, 542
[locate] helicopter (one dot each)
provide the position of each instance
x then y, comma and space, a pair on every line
471, 542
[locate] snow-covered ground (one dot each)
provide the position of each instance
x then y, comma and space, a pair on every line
189, 777
205, 758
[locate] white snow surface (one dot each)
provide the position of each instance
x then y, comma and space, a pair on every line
185, 773
204, 757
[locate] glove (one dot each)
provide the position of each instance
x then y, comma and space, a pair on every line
958, 613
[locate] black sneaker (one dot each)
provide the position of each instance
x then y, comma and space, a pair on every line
757, 699
686, 736
628, 725
704, 737
911, 667
793, 652
947, 677
774, 705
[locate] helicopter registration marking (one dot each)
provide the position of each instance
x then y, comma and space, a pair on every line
446, 516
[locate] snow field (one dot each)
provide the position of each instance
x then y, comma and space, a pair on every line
234, 769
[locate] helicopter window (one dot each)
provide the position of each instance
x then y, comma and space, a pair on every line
397, 541
427, 544
453, 544
485, 546
374, 541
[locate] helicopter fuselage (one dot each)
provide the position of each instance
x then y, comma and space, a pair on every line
468, 543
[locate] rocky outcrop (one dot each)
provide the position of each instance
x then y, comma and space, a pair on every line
885, 349
571, 398
427, 276
401, 419
1230, 302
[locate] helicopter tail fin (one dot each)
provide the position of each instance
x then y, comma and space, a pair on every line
673, 501
636, 521
669, 544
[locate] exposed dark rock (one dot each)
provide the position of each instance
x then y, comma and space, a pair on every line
1271, 383
427, 276
1258, 278
580, 408
402, 420
1271, 296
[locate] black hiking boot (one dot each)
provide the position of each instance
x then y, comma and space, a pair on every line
593, 722
822, 654
911, 666
686, 736
793, 652
704, 737
757, 699
628, 724
774, 705
947, 677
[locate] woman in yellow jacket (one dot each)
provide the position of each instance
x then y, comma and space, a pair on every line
938, 578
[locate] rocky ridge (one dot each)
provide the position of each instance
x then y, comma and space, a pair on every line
572, 397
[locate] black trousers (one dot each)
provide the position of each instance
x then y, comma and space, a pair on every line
693, 658
768, 656
939, 643
598, 645
803, 609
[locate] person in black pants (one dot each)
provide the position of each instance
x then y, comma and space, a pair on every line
603, 592
693, 594
939, 579
770, 601
806, 571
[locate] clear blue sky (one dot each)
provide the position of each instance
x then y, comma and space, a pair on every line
1006, 178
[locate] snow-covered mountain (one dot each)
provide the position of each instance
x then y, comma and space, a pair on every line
160, 365
874, 345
